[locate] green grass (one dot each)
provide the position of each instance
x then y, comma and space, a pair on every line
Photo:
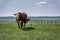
31, 32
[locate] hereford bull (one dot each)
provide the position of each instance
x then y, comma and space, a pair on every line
21, 19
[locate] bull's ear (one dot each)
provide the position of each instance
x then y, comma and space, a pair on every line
14, 14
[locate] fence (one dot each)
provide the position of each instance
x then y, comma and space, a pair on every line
33, 20
45, 21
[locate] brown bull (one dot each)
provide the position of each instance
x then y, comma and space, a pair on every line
21, 18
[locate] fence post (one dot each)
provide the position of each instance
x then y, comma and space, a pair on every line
41, 21
50, 21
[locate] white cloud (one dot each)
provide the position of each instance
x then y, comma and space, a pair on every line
41, 3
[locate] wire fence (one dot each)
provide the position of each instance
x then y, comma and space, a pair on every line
12, 21
45, 21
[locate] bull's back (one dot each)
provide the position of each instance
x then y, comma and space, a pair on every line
23, 16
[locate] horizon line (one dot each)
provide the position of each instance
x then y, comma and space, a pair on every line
32, 16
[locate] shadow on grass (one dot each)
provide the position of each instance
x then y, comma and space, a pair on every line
28, 28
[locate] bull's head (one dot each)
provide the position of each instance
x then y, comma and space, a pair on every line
18, 13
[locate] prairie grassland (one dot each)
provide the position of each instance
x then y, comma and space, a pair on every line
31, 32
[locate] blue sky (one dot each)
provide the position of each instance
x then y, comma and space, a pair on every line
31, 7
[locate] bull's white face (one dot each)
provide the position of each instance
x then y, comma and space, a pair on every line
17, 14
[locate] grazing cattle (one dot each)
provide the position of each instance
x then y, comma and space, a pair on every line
21, 19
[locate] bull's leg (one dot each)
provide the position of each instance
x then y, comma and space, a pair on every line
24, 24
18, 24
21, 25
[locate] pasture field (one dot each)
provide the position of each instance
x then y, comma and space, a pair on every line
31, 32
